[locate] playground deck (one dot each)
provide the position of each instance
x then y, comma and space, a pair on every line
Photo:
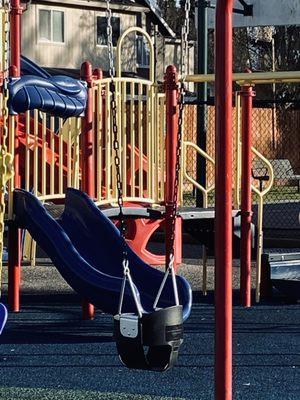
48, 352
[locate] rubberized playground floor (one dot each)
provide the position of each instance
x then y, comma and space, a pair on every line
48, 352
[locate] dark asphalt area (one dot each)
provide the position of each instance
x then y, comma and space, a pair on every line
48, 352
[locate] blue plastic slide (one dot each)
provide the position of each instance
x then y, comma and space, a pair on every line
86, 248
28, 67
60, 96
3, 317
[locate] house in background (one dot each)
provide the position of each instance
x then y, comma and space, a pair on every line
61, 34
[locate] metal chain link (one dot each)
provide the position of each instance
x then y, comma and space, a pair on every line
170, 268
184, 37
5, 62
184, 33
116, 144
6, 162
117, 160
110, 40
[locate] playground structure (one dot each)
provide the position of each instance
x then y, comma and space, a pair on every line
50, 150
35, 160
52, 153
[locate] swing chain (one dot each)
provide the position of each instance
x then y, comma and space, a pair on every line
113, 104
6, 159
5, 62
117, 160
181, 99
184, 33
110, 40
184, 37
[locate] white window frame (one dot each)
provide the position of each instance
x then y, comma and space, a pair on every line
45, 41
96, 25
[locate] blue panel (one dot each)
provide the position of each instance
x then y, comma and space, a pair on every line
61, 96
87, 248
3, 317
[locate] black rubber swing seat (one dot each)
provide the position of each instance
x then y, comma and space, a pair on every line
161, 331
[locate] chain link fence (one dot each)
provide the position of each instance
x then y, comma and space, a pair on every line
276, 135
191, 157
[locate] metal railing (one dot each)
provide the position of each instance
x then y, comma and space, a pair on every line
255, 78
49, 153
205, 192
261, 195
209, 188
141, 124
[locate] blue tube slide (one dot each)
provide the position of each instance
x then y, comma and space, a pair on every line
86, 248
60, 96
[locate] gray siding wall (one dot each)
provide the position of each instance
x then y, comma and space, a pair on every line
170, 53
80, 39
80, 42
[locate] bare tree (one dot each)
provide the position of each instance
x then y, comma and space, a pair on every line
173, 13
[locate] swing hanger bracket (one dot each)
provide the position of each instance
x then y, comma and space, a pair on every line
129, 325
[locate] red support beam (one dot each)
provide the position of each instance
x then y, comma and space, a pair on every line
15, 34
88, 159
87, 135
15, 69
14, 73
246, 206
223, 201
97, 75
171, 89
14, 234
14, 268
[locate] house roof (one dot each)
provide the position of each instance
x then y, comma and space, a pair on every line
156, 14
158, 17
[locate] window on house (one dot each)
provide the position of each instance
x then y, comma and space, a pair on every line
102, 30
143, 54
51, 26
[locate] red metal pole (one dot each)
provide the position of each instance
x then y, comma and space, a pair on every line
88, 160
246, 206
14, 267
87, 136
14, 234
171, 88
15, 34
97, 75
13, 72
223, 220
